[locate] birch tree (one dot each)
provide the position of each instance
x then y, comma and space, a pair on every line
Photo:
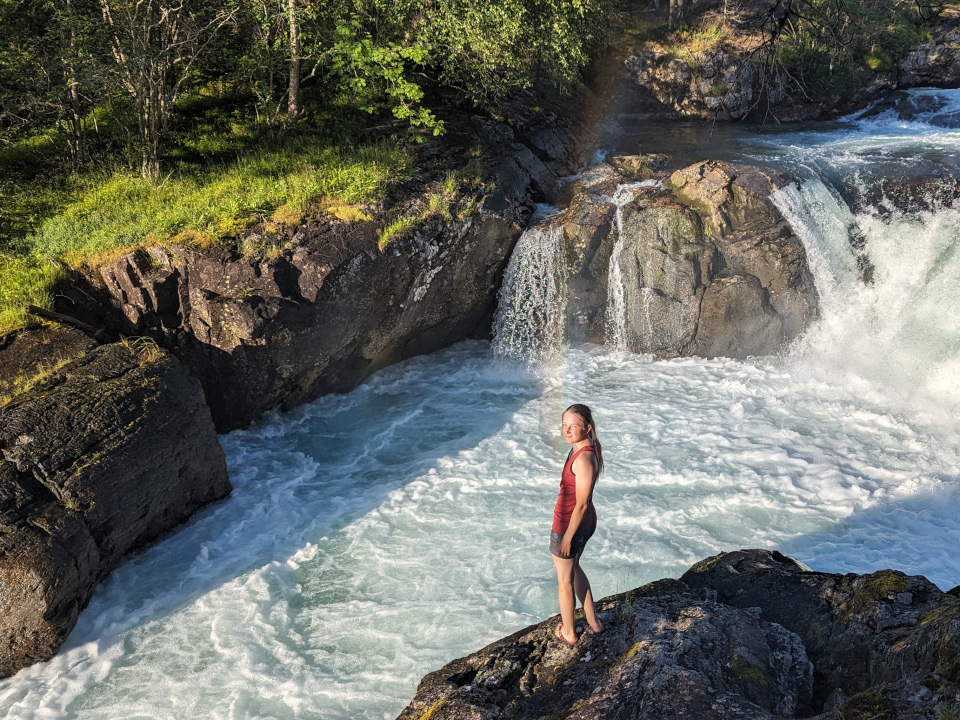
154, 45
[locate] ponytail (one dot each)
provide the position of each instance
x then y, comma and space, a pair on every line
586, 415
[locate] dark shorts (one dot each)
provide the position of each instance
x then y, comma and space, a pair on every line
578, 543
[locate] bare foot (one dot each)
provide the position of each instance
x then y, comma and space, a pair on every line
558, 633
597, 628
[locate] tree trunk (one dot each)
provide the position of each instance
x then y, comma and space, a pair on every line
674, 16
293, 90
76, 126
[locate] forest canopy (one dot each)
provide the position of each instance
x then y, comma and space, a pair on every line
75, 66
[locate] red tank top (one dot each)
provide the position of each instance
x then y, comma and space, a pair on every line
567, 498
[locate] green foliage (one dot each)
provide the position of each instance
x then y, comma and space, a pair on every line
25, 280
122, 209
827, 47
374, 69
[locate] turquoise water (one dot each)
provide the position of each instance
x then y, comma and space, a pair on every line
376, 535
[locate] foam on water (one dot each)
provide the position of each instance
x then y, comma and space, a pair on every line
376, 535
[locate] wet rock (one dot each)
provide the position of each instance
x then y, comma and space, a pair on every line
101, 455
707, 265
666, 265
587, 231
736, 320
884, 640
663, 654
899, 193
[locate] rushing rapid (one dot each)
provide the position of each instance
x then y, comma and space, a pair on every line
376, 535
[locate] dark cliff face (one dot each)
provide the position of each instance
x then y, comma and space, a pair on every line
102, 454
750, 634
316, 309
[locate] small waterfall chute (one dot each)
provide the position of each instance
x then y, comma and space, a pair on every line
616, 292
530, 324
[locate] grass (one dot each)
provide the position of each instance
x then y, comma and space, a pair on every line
438, 205
123, 210
23, 383
109, 213
25, 280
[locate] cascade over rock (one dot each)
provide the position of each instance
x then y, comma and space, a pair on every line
707, 265
750, 634
102, 454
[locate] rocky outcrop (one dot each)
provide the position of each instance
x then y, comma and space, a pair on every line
293, 313
751, 634
706, 264
932, 64
707, 84
664, 653
102, 453
886, 639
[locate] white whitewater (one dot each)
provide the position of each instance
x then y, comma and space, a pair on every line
376, 535
531, 315
616, 325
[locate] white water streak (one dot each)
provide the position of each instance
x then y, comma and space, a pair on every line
616, 293
531, 317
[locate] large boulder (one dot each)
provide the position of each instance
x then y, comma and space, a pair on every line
664, 654
885, 638
102, 453
705, 263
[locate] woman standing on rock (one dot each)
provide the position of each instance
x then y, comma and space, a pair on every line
575, 519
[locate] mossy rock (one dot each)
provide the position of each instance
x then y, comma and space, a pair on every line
867, 705
743, 669
948, 610
878, 586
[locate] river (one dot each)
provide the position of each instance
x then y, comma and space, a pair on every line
374, 536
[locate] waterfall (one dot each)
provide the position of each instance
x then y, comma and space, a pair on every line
531, 318
616, 295
823, 223
901, 330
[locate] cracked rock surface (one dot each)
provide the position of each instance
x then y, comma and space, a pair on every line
751, 634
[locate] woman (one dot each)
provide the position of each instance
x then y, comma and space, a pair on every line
575, 519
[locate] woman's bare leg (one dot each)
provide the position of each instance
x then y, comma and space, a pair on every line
581, 586
568, 603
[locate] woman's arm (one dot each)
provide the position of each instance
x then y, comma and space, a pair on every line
583, 471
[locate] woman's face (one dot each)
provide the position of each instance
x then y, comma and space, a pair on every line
573, 428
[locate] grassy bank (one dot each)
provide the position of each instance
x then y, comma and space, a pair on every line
93, 217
